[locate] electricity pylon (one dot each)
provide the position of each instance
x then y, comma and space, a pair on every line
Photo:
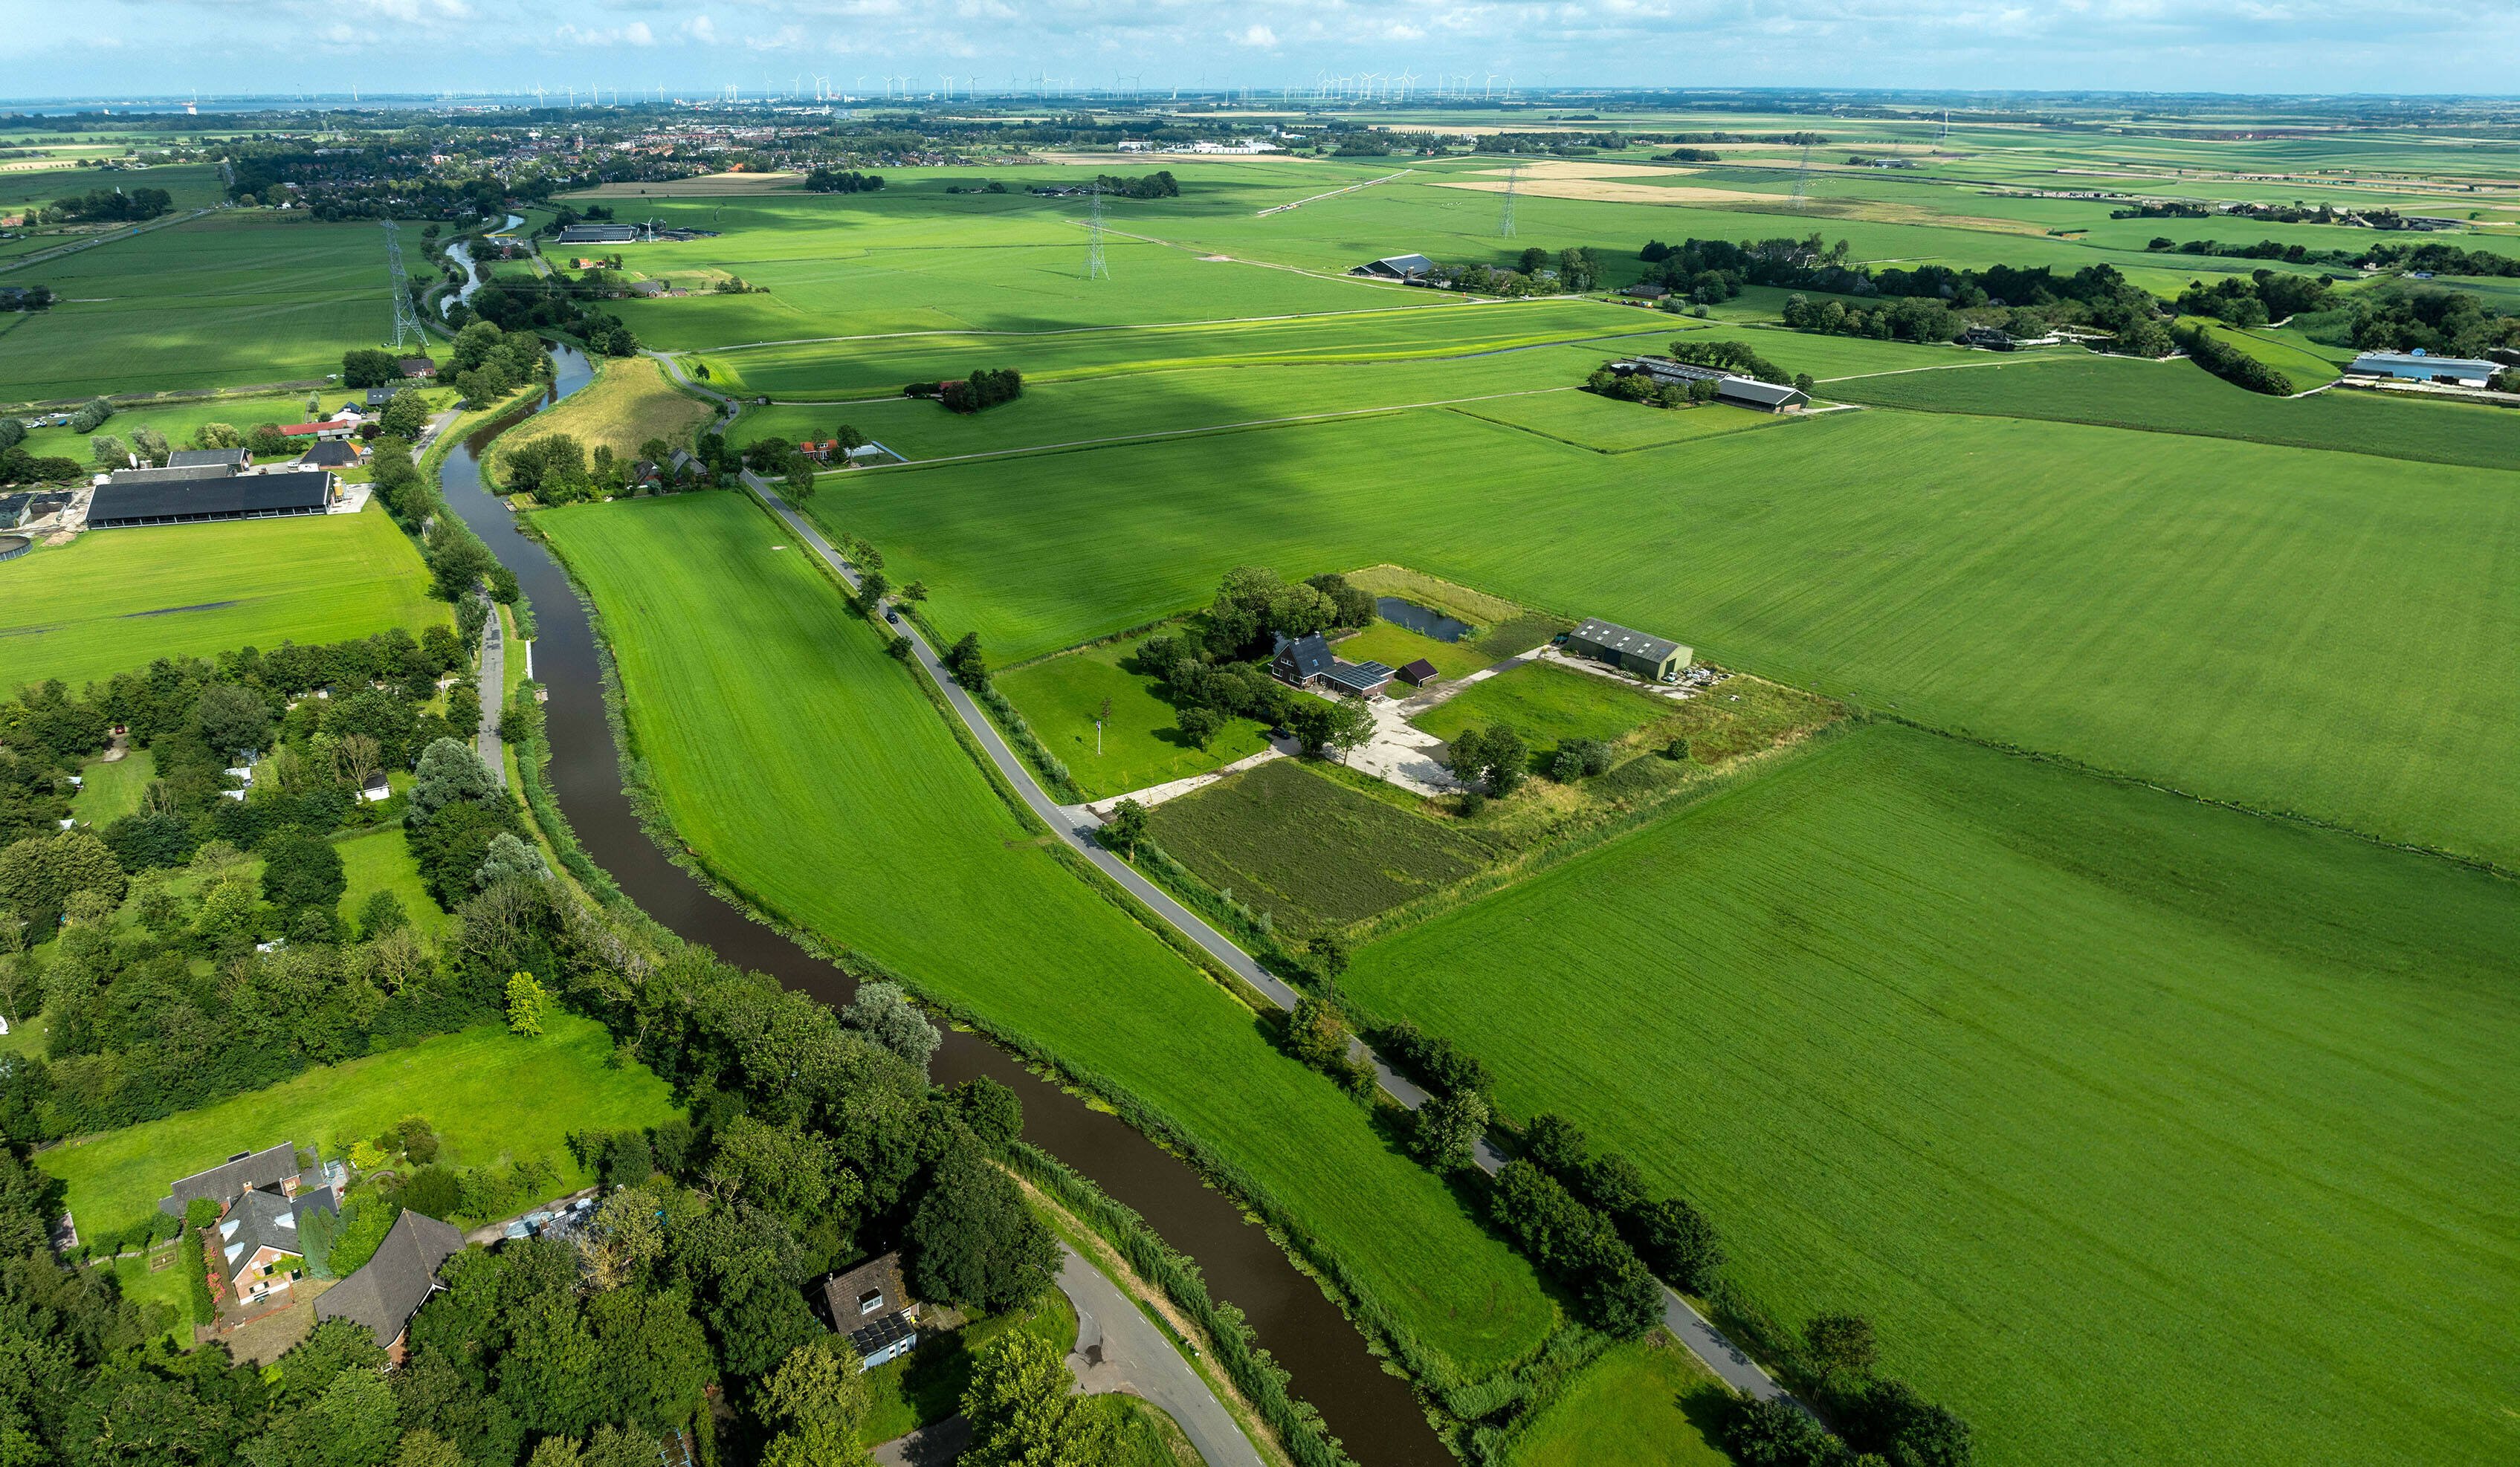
406, 320
1094, 269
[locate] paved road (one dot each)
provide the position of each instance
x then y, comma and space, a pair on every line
1118, 1348
494, 675
1076, 825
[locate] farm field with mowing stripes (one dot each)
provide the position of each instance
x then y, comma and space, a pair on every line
227, 300
116, 600
2051, 1076
1363, 331
1607, 426
2303, 370
2179, 397
2311, 631
1643, 1404
809, 772
1547, 705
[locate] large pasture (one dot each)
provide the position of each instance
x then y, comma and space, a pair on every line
115, 600
228, 301
2146, 1131
807, 769
2321, 633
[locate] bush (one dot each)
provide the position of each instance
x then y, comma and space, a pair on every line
1577, 1246
1432, 1060
1777, 1433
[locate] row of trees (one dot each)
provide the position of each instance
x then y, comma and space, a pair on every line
985, 388
841, 181
2254, 299
2230, 363
106, 207
1160, 184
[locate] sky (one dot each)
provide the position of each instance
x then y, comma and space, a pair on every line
134, 48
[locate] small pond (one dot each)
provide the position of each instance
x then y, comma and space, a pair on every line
1425, 621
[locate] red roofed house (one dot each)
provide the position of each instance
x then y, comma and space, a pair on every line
338, 427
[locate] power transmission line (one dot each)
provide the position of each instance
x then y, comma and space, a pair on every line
406, 320
1094, 269
1802, 177
1512, 176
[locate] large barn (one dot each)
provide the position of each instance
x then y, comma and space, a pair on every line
245, 495
1628, 651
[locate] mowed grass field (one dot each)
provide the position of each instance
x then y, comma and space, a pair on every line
808, 769
2179, 397
2146, 1132
1547, 705
630, 401
1140, 745
230, 300
2321, 633
115, 600
490, 1095
1643, 1404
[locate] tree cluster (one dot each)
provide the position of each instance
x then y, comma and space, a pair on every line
1160, 184
984, 388
1880, 1419
1578, 1247
2230, 363
841, 181
1494, 758
2443, 323
2253, 300
1215, 670
1674, 1240
109, 205
26, 297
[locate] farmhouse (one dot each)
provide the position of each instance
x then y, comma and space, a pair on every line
392, 1286
600, 234
262, 1198
870, 1306
245, 495
1628, 651
332, 427
2417, 366
1301, 660
417, 366
273, 1166
1415, 269
338, 453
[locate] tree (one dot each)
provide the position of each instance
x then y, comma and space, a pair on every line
991, 1110
1329, 955
300, 870
231, 719
964, 660
656, 1360
1676, 1241
405, 414
1024, 1412
800, 478
1127, 830
1777, 1432
449, 772
884, 1013
974, 1241
1316, 1034
1199, 726
1839, 1344
527, 1002
1494, 756
509, 859
871, 586
369, 367
1448, 1128
39, 874
815, 1401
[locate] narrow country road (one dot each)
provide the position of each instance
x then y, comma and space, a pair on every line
494, 675
1076, 825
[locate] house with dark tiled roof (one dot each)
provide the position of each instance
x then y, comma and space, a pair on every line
387, 1291
1300, 661
872, 1306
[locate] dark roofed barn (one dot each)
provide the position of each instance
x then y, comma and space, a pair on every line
1419, 673
1628, 651
385, 1292
221, 1183
252, 496
600, 234
1402, 267
336, 453
172, 473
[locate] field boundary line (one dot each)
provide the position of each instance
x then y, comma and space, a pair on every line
1193, 432
1279, 209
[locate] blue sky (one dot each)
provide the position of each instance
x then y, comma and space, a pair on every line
137, 47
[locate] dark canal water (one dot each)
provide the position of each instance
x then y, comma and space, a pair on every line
1372, 1412
1425, 621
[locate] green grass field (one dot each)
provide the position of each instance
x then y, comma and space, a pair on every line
1395, 645
223, 301
1644, 1403
2042, 584
1140, 745
115, 600
178, 419
488, 1094
806, 767
2144, 1131
1611, 426
112, 791
2299, 366
1547, 705
1309, 850
380, 859
2177, 397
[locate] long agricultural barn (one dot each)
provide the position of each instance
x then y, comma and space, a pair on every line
251, 495
2419, 366
1740, 391
1628, 651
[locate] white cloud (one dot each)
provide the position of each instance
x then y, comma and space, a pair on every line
636, 34
1258, 38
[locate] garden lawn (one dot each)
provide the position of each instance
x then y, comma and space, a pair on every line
1547, 705
115, 600
2146, 1132
380, 859
1309, 850
926, 1386
2324, 633
112, 791
1395, 645
1141, 744
1643, 1404
808, 771
490, 1095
